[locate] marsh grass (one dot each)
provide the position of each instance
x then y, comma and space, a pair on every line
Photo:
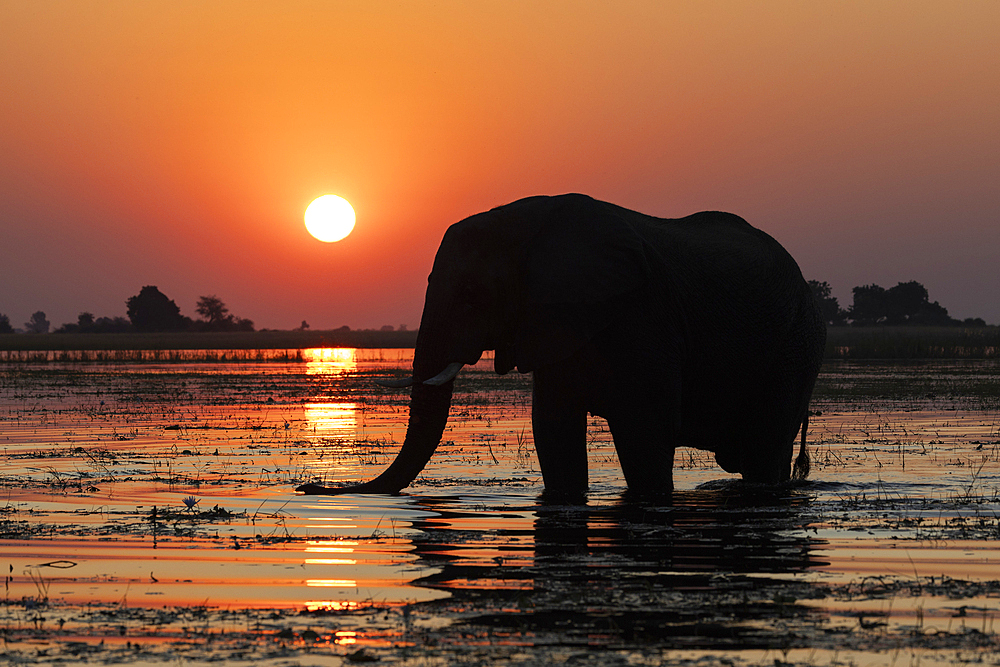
12, 345
842, 343
913, 342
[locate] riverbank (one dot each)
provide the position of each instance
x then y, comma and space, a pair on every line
842, 342
215, 340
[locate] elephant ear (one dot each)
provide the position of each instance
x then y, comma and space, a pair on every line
587, 256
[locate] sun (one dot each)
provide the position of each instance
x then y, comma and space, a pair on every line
330, 218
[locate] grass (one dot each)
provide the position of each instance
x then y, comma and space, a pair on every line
913, 342
842, 343
237, 340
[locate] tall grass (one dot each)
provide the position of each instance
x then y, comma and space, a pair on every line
842, 343
913, 342
236, 340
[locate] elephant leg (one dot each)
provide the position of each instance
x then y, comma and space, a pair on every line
645, 451
559, 427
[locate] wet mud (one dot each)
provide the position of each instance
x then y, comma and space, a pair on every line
147, 516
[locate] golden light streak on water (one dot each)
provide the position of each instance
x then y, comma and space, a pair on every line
330, 360
332, 583
331, 605
344, 547
346, 637
332, 419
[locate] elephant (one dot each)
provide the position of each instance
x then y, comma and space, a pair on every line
698, 331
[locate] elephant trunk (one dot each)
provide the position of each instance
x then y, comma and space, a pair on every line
429, 407
434, 371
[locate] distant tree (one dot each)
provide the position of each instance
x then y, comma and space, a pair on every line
303, 326
217, 317
241, 323
87, 324
388, 327
112, 325
402, 327
868, 308
5, 324
906, 303
151, 310
37, 324
974, 322
212, 309
84, 324
828, 305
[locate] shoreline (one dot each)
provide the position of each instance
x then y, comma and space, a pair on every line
899, 342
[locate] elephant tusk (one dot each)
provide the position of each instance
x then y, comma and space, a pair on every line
396, 384
447, 375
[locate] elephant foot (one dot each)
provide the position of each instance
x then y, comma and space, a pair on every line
562, 497
728, 461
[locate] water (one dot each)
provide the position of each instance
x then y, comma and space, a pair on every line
895, 532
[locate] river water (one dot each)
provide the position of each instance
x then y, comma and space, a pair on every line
171, 485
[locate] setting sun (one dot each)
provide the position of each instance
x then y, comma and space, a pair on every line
330, 218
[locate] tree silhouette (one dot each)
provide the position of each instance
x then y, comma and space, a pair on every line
112, 325
906, 303
828, 305
869, 307
37, 324
151, 310
5, 324
212, 309
217, 317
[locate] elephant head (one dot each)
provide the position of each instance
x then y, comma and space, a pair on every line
534, 281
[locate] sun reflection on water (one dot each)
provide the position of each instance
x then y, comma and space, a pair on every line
338, 547
332, 583
331, 561
332, 419
332, 605
346, 637
330, 360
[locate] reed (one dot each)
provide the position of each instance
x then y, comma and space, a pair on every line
214, 340
906, 342
842, 343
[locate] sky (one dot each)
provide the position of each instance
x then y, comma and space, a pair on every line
177, 144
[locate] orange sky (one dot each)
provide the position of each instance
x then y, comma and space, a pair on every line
177, 144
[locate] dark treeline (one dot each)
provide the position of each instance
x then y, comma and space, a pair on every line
906, 304
149, 311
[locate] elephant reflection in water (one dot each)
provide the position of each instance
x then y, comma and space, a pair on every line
627, 568
698, 331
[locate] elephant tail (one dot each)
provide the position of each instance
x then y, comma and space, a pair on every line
801, 469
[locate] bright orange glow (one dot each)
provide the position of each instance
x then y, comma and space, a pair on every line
339, 547
850, 131
330, 218
346, 637
332, 419
329, 360
332, 583
332, 605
